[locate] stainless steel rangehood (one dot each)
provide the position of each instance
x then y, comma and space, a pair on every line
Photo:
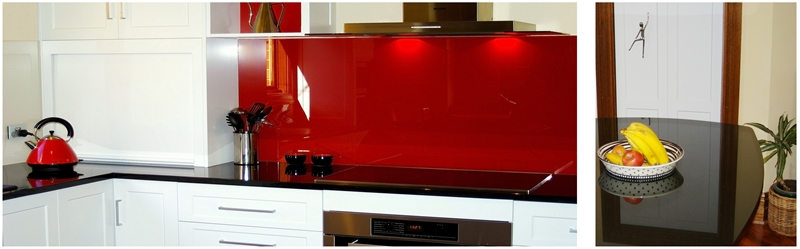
442, 18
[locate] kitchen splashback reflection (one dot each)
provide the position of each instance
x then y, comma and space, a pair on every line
504, 102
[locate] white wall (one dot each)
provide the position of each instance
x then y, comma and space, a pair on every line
22, 95
560, 17
21, 22
768, 83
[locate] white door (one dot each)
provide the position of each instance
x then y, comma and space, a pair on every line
680, 75
147, 211
86, 214
31, 220
89, 20
161, 20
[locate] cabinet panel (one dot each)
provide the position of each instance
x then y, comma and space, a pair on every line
147, 211
78, 21
251, 206
545, 224
31, 220
130, 101
161, 20
196, 234
85, 214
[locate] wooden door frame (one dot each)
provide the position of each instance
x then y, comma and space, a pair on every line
606, 66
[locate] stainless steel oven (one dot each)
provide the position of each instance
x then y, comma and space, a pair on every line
363, 229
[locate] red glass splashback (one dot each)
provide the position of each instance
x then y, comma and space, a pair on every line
498, 102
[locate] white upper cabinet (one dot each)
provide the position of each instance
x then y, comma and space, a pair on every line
114, 20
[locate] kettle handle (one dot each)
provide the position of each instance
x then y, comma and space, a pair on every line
70, 131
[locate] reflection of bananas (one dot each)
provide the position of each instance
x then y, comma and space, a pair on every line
643, 136
614, 158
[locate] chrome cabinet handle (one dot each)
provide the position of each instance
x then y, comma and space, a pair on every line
222, 241
117, 212
121, 12
573, 230
247, 210
108, 12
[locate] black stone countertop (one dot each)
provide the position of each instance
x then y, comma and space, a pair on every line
398, 180
712, 195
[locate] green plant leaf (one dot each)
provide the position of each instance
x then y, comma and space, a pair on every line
772, 154
762, 128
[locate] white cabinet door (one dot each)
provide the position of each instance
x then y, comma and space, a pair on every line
115, 20
86, 214
545, 224
199, 234
130, 101
147, 213
31, 220
161, 20
680, 75
67, 21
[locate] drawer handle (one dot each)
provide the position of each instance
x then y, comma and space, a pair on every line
247, 210
108, 16
116, 209
222, 241
573, 230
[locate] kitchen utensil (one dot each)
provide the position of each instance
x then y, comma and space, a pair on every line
235, 121
52, 151
674, 152
242, 118
259, 118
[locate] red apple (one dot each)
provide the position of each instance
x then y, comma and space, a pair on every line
632, 158
633, 200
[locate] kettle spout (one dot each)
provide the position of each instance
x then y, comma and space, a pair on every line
30, 144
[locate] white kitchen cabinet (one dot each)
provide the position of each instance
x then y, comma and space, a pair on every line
297, 209
31, 220
200, 234
544, 224
85, 214
132, 101
147, 213
116, 20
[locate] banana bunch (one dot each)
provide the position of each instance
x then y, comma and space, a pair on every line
643, 139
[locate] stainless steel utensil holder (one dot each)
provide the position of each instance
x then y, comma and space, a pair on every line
245, 148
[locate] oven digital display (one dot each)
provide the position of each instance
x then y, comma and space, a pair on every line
415, 229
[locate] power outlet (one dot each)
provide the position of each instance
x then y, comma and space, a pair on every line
12, 131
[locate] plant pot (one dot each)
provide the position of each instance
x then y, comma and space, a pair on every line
792, 192
782, 218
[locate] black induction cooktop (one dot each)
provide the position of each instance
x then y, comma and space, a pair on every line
428, 178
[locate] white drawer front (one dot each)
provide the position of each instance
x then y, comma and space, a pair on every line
251, 206
419, 205
544, 224
198, 234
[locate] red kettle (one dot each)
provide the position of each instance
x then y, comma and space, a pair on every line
52, 150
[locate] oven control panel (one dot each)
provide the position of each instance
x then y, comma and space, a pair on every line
415, 229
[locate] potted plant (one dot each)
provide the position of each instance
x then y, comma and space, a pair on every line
782, 194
